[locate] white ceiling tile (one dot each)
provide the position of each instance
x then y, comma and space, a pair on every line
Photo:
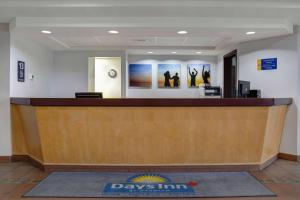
202, 41
78, 41
170, 41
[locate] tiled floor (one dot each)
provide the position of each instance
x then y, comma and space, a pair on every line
283, 177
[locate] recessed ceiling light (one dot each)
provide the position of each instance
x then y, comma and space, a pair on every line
46, 32
250, 33
174, 52
113, 32
182, 32
198, 52
150, 52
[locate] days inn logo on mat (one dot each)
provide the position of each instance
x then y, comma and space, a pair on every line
149, 184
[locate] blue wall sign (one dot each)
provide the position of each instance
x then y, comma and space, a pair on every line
21, 71
267, 64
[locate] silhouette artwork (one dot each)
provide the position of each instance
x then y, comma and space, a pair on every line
169, 75
176, 80
206, 76
167, 79
195, 79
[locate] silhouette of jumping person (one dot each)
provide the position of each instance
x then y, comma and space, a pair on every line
167, 79
206, 76
175, 80
193, 77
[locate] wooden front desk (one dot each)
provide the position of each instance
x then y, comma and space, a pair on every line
145, 134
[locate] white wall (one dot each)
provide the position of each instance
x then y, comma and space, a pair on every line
38, 61
273, 83
184, 91
5, 127
71, 71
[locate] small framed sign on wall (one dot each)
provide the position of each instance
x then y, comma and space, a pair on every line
21, 71
267, 64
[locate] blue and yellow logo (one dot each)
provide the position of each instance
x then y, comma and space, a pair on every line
259, 65
267, 64
149, 178
149, 184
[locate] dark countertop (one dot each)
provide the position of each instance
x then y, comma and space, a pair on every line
134, 102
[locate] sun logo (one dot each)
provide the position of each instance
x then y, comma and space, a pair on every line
148, 178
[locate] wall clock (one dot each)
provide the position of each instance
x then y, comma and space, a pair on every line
112, 73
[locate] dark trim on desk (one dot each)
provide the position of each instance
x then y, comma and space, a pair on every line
27, 158
20, 158
166, 168
21, 101
132, 102
135, 168
283, 101
268, 162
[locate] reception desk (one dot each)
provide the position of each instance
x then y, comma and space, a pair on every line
148, 134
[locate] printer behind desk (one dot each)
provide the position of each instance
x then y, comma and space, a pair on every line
212, 91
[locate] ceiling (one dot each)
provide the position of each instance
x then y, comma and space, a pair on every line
149, 25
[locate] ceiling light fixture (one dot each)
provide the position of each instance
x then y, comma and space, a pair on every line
46, 32
182, 32
174, 52
198, 52
113, 32
250, 33
150, 52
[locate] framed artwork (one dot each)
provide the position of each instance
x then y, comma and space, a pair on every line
140, 75
169, 75
198, 75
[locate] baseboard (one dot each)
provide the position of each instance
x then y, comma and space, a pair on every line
37, 163
290, 157
268, 162
170, 168
20, 158
183, 168
27, 158
4, 159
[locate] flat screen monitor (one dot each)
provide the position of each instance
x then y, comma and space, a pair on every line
243, 88
88, 95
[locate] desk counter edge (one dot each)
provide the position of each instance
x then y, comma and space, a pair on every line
147, 102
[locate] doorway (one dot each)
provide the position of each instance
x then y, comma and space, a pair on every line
105, 76
230, 74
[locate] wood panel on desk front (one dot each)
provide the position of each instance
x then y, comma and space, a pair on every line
152, 136
274, 130
26, 134
19, 146
144, 136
